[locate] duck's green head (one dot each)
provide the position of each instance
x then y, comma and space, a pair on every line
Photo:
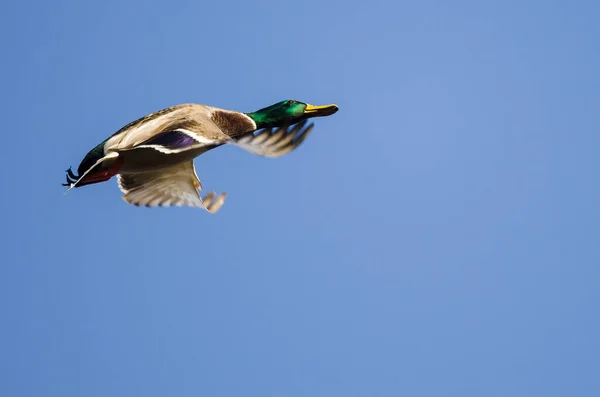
289, 112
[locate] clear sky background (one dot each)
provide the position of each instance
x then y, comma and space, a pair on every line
438, 236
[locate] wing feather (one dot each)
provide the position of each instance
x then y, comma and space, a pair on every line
175, 186
274, 143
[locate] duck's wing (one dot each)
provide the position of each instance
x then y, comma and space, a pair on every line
177, 140
172, 130
274, 142
175, 186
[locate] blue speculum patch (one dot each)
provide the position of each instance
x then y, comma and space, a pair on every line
172, 140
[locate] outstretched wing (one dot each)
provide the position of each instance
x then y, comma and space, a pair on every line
175, 186
274, 143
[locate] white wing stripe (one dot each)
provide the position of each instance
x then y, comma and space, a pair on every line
198, 138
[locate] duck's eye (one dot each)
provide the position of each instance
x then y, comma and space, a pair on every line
290, 102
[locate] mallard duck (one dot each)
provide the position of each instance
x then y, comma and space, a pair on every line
152, 157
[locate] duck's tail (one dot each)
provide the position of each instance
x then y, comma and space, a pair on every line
89, 177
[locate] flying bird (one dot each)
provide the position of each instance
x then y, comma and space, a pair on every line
153, 157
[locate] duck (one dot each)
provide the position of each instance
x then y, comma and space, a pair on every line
153, 156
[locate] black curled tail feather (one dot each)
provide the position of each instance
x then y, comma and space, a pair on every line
71, 177
88, 161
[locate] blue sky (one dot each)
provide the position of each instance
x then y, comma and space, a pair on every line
438, 236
